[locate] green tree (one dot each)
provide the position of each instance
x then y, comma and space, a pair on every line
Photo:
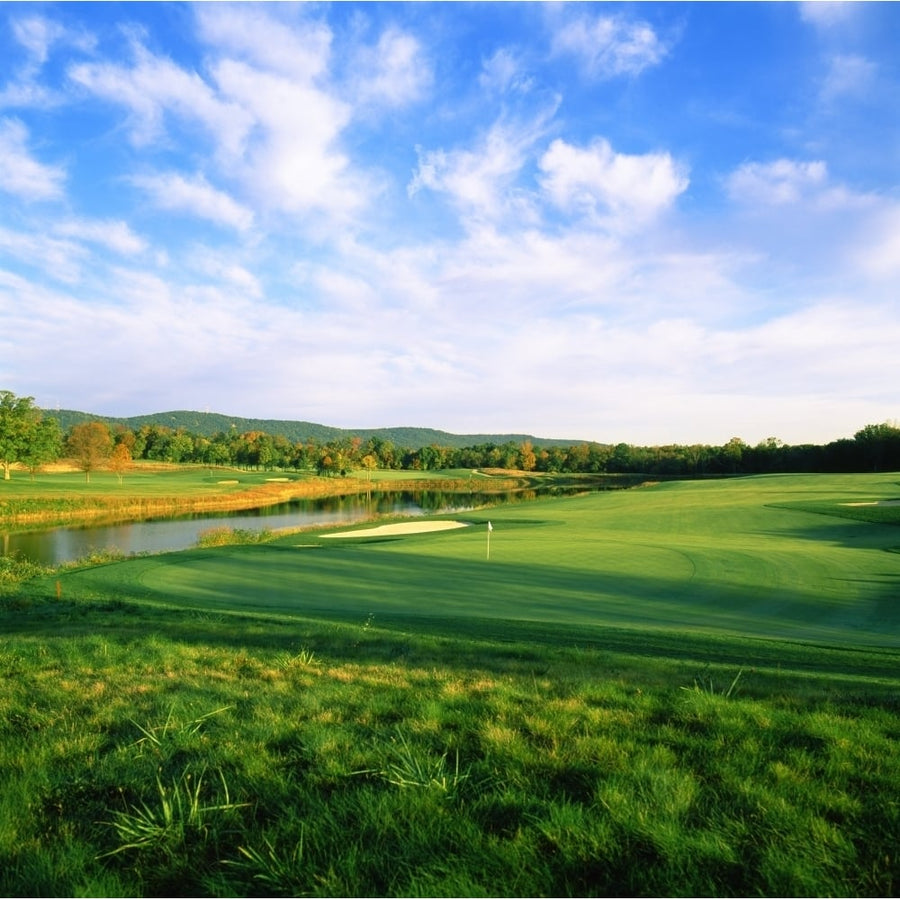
879, 447
18, 416
732, 453
622, 458
43, 445
89, 444
180, 447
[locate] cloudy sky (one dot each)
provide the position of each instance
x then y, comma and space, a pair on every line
643, 223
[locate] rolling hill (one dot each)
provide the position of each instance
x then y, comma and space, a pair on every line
208, 424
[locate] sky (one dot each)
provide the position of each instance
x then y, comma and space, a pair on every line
643, 223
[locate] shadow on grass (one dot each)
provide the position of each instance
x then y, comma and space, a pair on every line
457, 644
359, 603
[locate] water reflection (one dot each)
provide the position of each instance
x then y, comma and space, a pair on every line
57, 545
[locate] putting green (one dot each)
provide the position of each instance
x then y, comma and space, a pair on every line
690, 556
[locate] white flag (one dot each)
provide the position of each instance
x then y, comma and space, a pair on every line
490, 527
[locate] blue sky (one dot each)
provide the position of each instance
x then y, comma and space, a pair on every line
648, 223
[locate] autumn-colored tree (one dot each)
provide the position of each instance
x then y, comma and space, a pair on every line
369, 462
120, 460
527, 457
89, 444
127, 437
326, 465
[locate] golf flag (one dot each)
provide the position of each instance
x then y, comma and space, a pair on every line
490, 527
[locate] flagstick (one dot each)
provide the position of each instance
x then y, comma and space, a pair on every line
490, 528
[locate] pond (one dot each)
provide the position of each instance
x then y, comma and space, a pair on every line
53, 546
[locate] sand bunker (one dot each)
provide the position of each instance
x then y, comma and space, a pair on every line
874, 503
398, 528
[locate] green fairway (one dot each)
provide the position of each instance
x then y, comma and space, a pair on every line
720, 556
687, 689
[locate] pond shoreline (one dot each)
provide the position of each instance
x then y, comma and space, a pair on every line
108, 510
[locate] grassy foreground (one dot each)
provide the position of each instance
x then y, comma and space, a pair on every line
689, 689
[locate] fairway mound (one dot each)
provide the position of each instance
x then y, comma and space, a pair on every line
398, 528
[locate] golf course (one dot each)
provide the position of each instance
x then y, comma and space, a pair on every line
686, 688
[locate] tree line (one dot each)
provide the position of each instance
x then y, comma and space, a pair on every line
33, 440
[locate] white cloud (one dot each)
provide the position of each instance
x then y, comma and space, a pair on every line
481, 182
60, 259
827, 13
37, 34
195, 196
267, 105
224, 268
346, 292
610, 46
880, 255
26, 93
251, 33
783, 181
295, 163
816, 349
848, 75
503, 72
154, 86
20, 173
393, 73
276, 73
114, 234
608, 187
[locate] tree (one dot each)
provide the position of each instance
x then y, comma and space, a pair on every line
879, 446
732, 453
527, 457
89, 444
18, 416
120, 460
326, 464
369, 462
43, 445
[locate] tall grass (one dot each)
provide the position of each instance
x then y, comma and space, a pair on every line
150, 752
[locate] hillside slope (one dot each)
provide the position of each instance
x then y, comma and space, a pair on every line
208, 424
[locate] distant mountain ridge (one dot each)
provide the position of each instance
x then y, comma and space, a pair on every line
209, 424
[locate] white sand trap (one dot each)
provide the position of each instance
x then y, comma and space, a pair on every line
875, 503
398, 528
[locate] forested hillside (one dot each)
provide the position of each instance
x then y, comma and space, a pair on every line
206, 424
32, 438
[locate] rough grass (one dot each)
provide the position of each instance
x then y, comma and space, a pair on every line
149, 752
656, 692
